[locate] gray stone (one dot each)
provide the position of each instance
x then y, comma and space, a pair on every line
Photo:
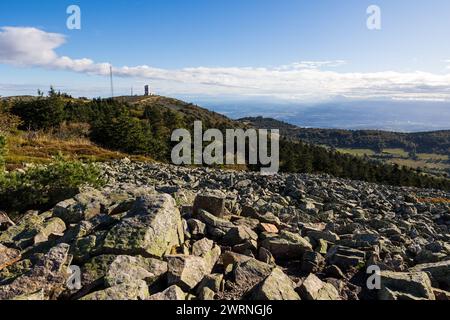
277, 286
238, 235
49, 274
312, 262
153, 228
416, 284
251, 271
8, 256
136, 290
325, 235
197, 228
126, 269
439, 271
172, 293
211, 281
186, 271
345, 257
287, 246
213, 203
201, 247
83, 206
312, 288
206, 294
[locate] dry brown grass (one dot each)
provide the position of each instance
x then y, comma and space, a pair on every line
42, 147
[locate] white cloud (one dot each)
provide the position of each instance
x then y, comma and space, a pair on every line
28, 46
301, 81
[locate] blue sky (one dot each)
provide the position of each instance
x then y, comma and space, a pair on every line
233, 49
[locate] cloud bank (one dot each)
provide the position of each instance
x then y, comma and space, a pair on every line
304, 81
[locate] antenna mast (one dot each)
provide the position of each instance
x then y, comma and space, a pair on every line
111, 77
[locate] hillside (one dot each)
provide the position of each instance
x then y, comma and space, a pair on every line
420, 142
428, 151
142, 126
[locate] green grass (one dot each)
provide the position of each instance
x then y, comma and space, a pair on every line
396, 152
433, 163
358, 152
432, 157
415, 164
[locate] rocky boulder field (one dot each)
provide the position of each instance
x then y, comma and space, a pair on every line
160, 232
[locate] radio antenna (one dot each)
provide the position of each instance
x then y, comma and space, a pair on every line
111, 77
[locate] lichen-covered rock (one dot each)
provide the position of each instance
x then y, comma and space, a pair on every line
15, 270
416, 284
172, 293
8, 256
52, 227
277, 286
312, 288
439, 271
22, 234
206, 294
35, 296
239, 235
197, 228
211, 281
125, 236
213, 203
345, 257
83, 206
127, 269
186, 271
50, 275
201, 247
136, 290
92, 275
312, 262
287, 245
216, 227
251, 271
152, 228
323, 235
212, 257
84, 248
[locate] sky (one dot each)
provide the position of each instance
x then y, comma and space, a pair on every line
229, 50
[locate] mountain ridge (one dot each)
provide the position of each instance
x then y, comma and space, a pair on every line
346, 138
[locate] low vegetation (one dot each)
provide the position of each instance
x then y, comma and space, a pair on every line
2, 153
42, 186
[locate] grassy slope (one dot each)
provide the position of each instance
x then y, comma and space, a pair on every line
24, 147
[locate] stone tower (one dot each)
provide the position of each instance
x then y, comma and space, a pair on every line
146, 89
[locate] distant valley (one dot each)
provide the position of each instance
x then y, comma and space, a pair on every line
399, 116
428, 151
